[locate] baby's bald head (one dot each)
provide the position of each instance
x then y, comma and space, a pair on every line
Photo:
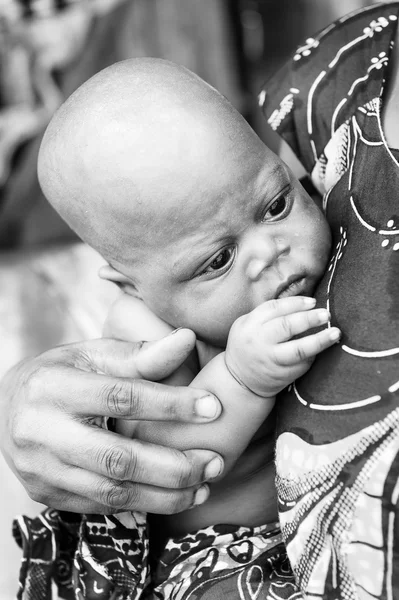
140, 136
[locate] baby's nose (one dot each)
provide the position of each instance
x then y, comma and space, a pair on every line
264, 255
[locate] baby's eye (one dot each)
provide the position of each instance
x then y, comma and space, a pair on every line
276, 209
221, 261
280, 208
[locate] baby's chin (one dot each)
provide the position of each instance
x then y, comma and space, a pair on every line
213, 334
207, 351
215, 340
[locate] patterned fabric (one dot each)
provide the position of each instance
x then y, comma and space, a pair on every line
87, 557
107, 558
338, 426
222, 562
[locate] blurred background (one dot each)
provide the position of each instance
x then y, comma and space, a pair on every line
49, 290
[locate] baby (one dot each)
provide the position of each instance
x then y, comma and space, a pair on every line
211, 232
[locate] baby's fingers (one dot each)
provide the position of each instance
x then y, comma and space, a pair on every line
296, 351
286, 327
272, 309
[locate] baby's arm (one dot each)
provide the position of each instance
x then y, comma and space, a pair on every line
140, 324
243, 411
260, 360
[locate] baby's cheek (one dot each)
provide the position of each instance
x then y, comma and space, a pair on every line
323, 249
210, 313
317, 234
213, 331
211, 323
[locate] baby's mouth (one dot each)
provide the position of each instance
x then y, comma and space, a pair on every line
294, 286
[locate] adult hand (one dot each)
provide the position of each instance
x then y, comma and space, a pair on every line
50, 436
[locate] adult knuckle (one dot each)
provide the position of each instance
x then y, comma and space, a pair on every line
116, 462
123, 398
117, 495
112, 397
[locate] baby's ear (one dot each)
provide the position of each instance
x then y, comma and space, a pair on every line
124, 283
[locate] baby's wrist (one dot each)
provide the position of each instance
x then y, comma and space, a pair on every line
232, 372
248, 383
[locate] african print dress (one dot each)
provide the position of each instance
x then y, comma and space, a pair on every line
338, 426
97, 557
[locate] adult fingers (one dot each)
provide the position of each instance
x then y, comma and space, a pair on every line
88, 492
296, 351
90, 394
116, 457
146, 360
67, 379
286, 327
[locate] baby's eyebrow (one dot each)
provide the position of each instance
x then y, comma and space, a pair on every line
278, 174
193, 255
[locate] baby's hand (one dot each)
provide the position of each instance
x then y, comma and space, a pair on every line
261, 353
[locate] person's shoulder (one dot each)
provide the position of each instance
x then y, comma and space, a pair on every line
345, 41
354, 27
329, 76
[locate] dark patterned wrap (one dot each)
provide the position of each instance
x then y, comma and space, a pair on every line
222, 562
337, 451
82, 557
106, 558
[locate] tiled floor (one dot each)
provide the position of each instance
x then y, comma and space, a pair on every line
47, 298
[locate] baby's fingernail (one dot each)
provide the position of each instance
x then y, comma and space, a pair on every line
207, 407
213, 468
310, 301
323, 315
175, 330
334, 334
201, 495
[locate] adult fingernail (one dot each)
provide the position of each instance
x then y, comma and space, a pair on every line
201, 495
207, 407
213, 468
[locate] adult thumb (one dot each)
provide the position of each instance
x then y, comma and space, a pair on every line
145, 360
